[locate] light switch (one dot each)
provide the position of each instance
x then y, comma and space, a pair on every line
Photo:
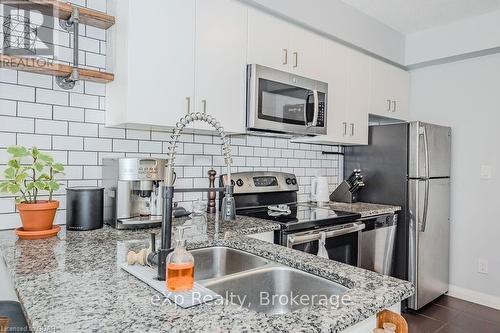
485, 171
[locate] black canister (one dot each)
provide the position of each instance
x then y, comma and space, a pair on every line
84, 208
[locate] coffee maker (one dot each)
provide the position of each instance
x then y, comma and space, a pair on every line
132, 192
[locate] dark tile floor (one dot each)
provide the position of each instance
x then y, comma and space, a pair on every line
452, 315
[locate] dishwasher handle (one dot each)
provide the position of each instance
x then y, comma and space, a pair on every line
310, 236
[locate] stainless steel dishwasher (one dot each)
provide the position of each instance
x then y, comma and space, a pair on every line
377, 243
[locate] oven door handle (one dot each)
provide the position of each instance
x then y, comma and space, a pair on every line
309, 237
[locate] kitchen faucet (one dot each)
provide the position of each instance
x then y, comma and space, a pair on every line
227, 209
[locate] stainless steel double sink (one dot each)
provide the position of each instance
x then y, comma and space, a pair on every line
259, 284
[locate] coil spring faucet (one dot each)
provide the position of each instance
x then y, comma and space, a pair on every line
228, 209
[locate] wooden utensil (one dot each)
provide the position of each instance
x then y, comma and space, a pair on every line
387, 316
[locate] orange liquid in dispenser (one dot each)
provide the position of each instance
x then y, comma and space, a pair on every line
180, 277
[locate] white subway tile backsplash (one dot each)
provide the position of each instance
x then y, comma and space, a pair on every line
34, 110
87, 44
83, 129
150, 147
84, 101
68, 113
262, 152
16, 124
160, 136
245, 151
125, 145
8, 108
95, 88
238, 140
43, 126
193, 148
299, 154
203, 138
92, 172
136, 134
72, 172
95, 116
267, 162
33, 79
184, 160
111, 132
20, 93
268, 142
33, 140
8, 75
7, 139
82, 158
254, 141
214, 149
203, 160
97, 144
67, 142
94, 32
51, 96
193, 171
95, 60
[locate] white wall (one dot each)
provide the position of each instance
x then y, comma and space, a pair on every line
339, 20
470, 35
466, 96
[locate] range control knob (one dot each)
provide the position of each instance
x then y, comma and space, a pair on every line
232, 182
239, 182
294, 181
288, 181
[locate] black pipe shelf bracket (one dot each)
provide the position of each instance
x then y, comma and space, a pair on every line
71, 25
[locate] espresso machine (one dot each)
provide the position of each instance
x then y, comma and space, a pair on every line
132, 192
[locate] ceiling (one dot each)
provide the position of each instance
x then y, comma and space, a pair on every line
408, 16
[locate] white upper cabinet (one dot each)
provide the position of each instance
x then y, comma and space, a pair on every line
275, 43
183, 56
220, 63
152, 57
389, 92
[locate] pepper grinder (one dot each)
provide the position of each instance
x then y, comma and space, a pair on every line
211, 209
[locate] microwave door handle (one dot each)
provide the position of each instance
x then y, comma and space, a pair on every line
316, 108
307, 123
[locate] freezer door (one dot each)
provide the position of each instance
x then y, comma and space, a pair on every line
429, 150
429, 241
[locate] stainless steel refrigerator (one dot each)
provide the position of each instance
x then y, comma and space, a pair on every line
408, 164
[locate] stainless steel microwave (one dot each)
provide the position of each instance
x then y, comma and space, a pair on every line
282, 102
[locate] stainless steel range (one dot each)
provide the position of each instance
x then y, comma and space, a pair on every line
318, 230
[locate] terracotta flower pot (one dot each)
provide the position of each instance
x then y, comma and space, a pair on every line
37, 216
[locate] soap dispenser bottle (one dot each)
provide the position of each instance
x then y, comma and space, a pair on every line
180, 265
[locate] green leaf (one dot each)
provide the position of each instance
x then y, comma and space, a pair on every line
44, 176
18, 151
13, 188
10, 173
40, 185
58, 167
30, 186
14, 164
45, 157
35, 152
38, 166
53, 185
21, 177
3, 186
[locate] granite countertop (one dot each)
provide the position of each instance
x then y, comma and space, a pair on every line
364, 208
73, 283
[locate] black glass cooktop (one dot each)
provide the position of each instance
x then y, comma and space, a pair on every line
301, 216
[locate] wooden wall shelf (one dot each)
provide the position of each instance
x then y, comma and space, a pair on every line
43, 66
63, 11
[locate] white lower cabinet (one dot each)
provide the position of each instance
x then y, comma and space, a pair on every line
183, 56
369, 324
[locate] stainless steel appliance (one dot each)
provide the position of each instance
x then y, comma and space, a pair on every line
273, 196
348, 190
377, 243
283, 102
409, 165
132, 192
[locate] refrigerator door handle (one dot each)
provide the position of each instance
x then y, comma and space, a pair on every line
423, 222
426, 151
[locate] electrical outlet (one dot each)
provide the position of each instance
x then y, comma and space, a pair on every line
482, 266
486, 172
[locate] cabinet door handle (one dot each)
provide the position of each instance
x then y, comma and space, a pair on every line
295, 59
204, 102
188, 99
345, 128
388, 105
285, 56
394, 106
352, 129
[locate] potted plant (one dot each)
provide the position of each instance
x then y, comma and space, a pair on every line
30, 172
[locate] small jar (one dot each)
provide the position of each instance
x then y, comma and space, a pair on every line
389, 327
